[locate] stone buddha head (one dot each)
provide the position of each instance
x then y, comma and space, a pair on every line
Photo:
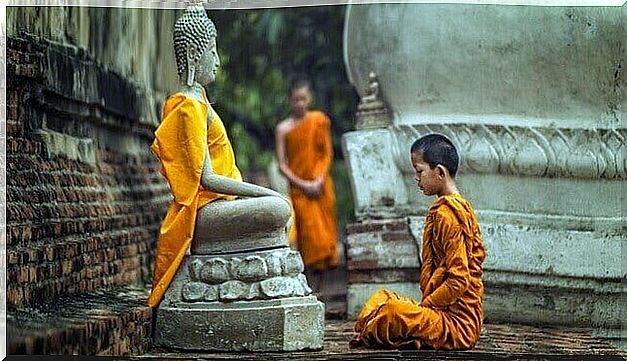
195, 47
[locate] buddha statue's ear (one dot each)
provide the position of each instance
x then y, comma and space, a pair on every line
192, 57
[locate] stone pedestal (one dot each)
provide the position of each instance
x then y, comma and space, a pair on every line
372, 115
241, 301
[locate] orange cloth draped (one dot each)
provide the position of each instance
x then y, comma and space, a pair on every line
309, 153
450, 315
180, 143
292, 235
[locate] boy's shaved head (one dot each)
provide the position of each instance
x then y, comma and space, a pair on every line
437, 149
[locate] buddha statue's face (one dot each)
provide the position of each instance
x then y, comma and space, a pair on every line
208, 64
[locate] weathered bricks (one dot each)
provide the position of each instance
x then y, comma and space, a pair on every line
397, 236
385, 249
72, 227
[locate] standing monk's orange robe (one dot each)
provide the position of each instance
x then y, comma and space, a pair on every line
450, 315
309, 153
180, 143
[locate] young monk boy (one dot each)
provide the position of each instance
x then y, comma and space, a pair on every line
450, 314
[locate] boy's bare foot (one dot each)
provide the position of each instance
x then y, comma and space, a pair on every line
355, 343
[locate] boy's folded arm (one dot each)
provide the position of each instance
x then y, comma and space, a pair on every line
435, 281
457, 273
426, 269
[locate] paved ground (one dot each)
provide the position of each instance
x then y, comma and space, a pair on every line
498, 341
511, 342
66, 325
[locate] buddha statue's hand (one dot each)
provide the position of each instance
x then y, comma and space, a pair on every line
270, 192
225, 185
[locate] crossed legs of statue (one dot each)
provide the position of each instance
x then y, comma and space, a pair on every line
241, 224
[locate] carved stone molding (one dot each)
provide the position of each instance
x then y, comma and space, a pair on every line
225, 278
526, 151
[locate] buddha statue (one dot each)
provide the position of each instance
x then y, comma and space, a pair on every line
203, 172
224, 274
372, 111
372, 91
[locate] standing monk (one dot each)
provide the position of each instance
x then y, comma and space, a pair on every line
305, 152
450, 313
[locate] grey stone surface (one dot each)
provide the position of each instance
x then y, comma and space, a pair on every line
371, 247
239, 277
251, 268
233, 290
304, 284
446, 52
372, 112
559, 304
274, 263
194, 291
215, 270
292, 264
366, 154
287, 324
549, 251
212, 293
254, 291
252, 242
280, 287
81, 149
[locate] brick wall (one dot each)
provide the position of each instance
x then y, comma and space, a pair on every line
380, 251
75, 224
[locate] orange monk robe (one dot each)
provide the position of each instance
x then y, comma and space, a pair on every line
309, 153
180, 143
292, 235
451, 312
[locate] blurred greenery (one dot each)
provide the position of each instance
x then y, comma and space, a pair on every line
259, 51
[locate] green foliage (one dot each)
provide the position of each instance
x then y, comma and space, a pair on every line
259, 51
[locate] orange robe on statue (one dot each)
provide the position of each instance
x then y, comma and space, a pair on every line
309, 153
180, 143
450, 315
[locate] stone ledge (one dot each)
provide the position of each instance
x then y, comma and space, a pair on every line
107, 322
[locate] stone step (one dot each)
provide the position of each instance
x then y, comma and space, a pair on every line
113, 321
